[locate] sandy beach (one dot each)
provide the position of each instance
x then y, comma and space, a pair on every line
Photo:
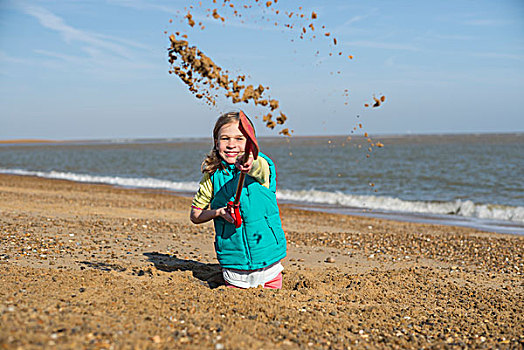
100, 267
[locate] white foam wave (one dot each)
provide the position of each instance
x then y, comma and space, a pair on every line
462, 208
111, 180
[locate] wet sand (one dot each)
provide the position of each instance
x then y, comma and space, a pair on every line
99, 267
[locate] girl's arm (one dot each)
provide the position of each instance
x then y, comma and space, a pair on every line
199, 216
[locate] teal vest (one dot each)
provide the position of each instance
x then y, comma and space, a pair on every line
260, 240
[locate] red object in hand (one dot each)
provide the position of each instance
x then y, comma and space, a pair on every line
247, 130
236, 213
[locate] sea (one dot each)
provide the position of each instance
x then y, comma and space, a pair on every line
471, 180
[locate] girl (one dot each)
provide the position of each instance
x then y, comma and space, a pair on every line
250, 255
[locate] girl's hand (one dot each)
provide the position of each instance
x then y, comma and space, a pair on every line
244, 167
225, 214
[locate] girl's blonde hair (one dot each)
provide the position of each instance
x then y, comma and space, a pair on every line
213, 161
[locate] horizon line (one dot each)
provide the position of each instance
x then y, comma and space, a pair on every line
127, 139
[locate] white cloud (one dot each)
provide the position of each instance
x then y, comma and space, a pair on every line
60, 56
486, 22
73, 35
353, 20
5, 58
96, 61
381, 45
455, 37
144, 5
499, 55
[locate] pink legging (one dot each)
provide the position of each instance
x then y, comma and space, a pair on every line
275, 283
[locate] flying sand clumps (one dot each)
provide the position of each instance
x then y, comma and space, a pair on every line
378, 102
202, 76
207, 81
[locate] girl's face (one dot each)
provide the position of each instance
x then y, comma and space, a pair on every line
230, 143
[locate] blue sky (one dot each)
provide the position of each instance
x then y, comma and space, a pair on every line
98, 69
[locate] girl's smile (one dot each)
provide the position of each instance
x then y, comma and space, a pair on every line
231, 143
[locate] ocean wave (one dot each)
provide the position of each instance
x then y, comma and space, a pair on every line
462, 208
384, 203
111, 180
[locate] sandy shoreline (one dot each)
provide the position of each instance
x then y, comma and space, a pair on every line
94, 266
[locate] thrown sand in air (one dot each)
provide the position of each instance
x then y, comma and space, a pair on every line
206, 80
